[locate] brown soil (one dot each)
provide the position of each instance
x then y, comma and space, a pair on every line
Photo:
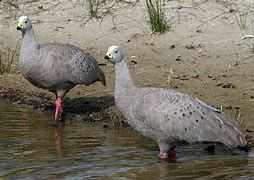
202, 55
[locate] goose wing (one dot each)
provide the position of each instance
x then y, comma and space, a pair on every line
68, 63
178, 117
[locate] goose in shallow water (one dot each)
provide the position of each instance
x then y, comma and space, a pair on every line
167, 116
55, 67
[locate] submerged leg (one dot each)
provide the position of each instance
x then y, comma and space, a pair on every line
168, 155
167, 152
59, 110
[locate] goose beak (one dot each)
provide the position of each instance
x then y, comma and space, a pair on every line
107, 57
19, 26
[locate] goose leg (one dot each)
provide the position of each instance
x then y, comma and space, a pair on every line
168, 155
167, 152
172, 155
59, 110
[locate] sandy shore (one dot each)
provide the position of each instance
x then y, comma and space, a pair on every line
202, 54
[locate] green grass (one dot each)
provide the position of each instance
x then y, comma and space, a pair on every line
241, 18
6, 60
157, 17
252, 49
93, 6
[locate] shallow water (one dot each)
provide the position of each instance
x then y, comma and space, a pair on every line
31, 149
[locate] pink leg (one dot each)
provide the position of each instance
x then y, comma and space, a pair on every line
59, 109
168, 155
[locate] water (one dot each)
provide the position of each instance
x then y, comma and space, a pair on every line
31, 149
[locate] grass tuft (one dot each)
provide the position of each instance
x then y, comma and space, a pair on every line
252, 49
6, 59
241, 18
157, 17
93, 6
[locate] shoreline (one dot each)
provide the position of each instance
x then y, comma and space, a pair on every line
201, 55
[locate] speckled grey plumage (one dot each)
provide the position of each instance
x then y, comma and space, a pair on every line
56, 67
167, 116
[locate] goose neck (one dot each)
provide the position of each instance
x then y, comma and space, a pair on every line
123, 79
29, 39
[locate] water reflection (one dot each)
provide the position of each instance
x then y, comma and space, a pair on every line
58, 141
31, 149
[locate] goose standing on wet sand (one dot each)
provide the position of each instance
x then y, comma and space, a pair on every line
167, 116
55, 67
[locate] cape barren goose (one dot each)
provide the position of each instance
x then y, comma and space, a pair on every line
55, 67
167, 116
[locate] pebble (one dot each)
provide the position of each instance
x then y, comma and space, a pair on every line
172, 46
178, 58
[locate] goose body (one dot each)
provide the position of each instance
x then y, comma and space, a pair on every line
54, 66
167, 116
59, 67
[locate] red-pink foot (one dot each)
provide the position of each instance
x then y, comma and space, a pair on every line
59, 110
165, 155
172, 155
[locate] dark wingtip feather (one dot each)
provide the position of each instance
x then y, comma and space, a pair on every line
233, 135
102, 78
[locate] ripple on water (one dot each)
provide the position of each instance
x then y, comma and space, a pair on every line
31, 149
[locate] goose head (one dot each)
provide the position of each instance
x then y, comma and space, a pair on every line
24, 23
114, 54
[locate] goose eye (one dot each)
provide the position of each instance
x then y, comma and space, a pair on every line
116, 51
25, 21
